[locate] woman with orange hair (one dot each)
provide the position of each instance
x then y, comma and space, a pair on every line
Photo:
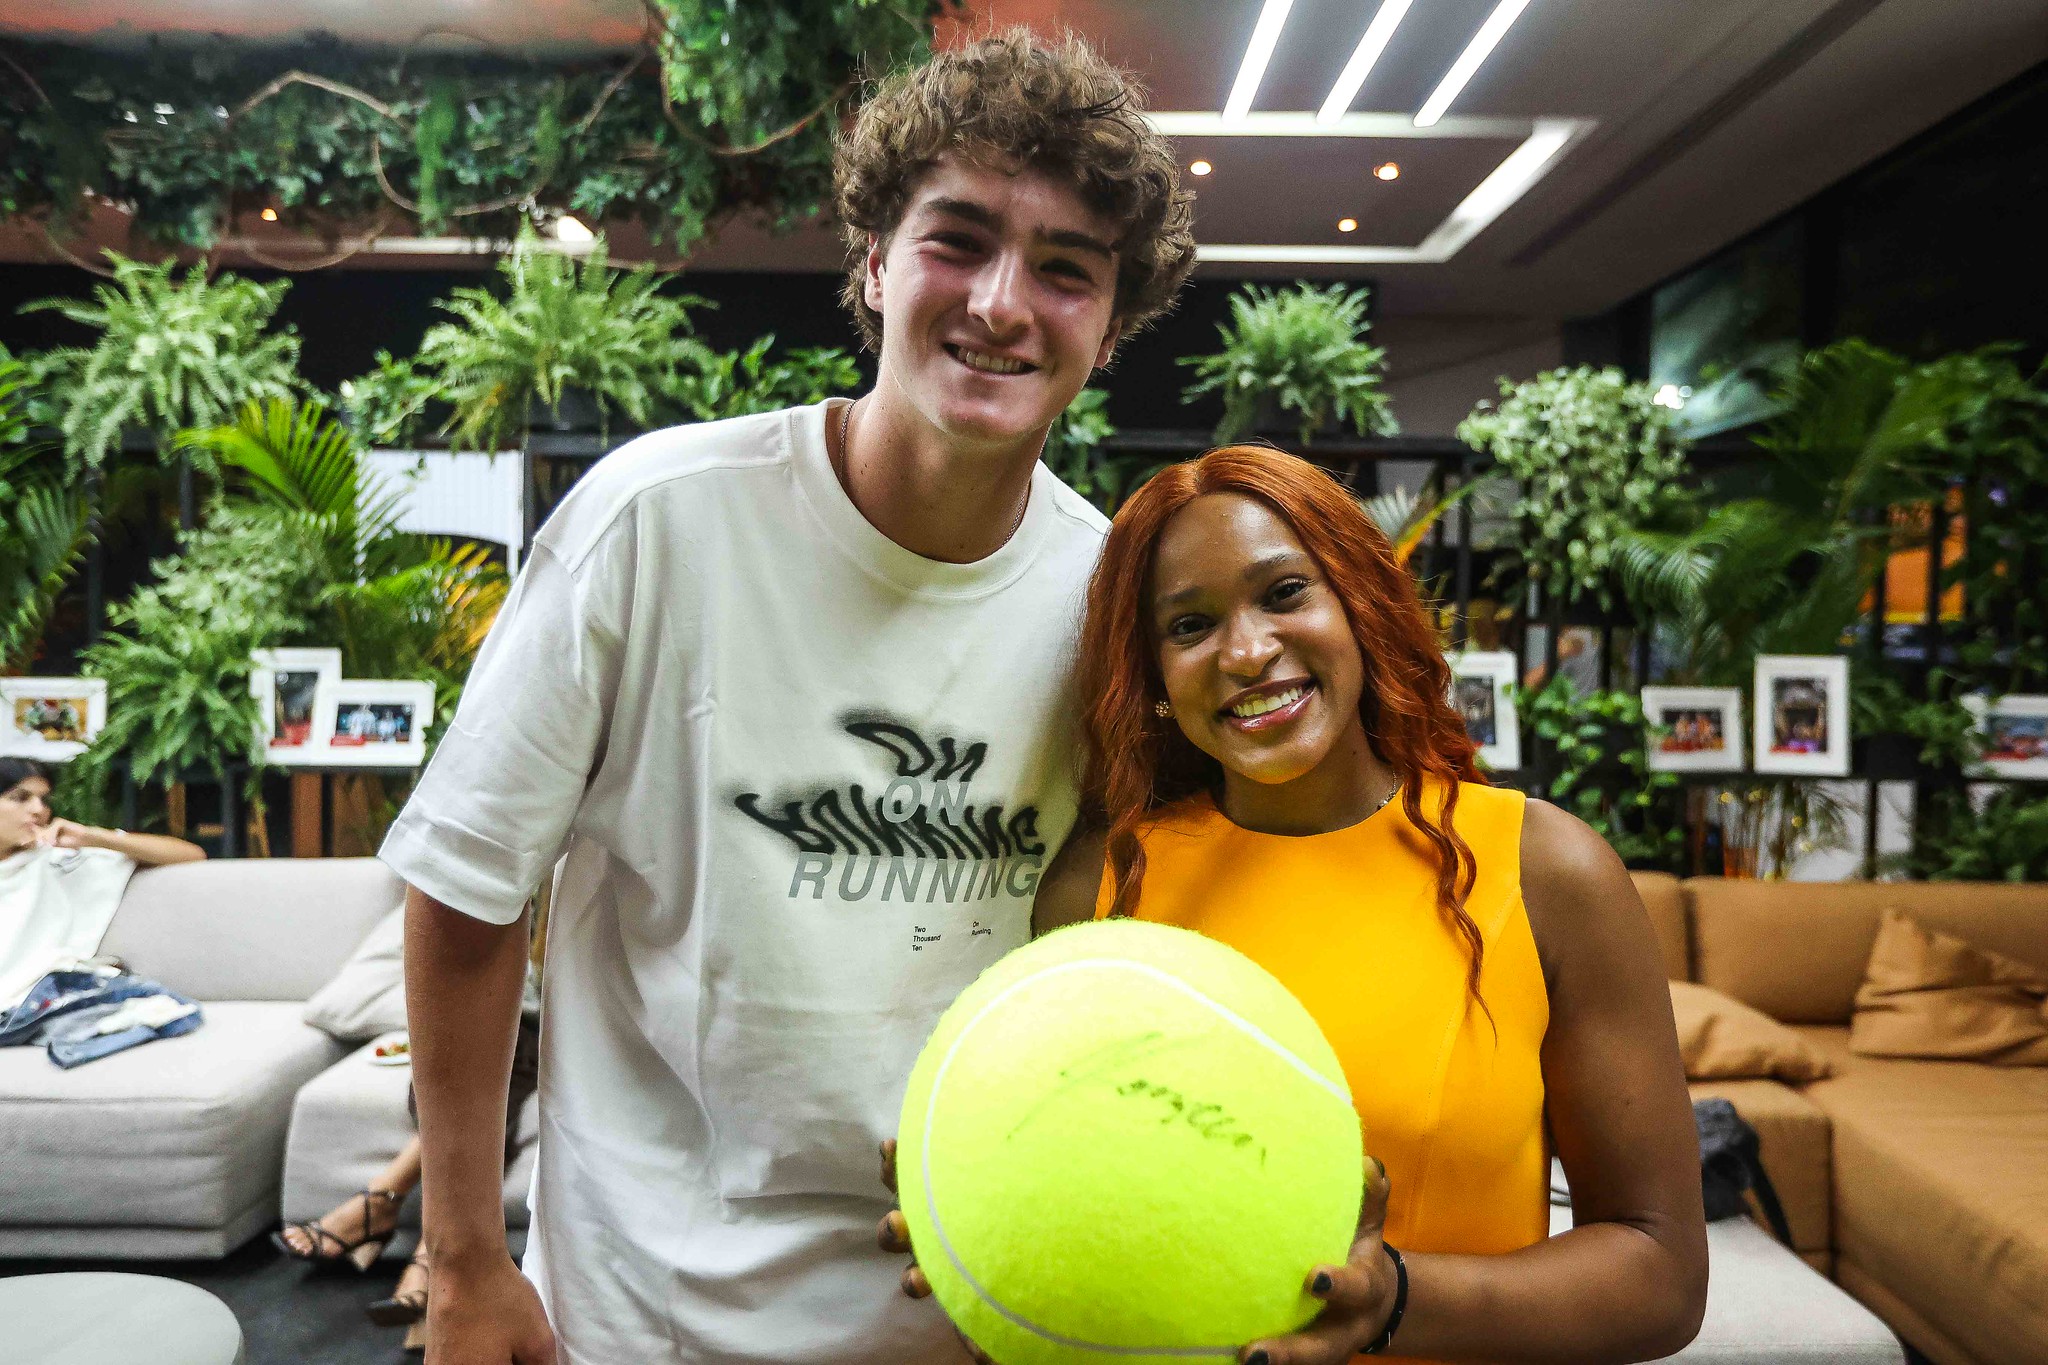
1277, 765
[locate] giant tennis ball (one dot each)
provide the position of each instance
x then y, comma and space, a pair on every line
1127, 1142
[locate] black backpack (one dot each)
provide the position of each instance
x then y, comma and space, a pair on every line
1730, 1163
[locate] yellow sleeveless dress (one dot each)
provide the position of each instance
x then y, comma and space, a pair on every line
1452, 1103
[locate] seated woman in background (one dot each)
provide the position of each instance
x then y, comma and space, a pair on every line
356, 1231
60, 881
1278, 766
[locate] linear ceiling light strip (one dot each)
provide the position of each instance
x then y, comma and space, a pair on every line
1377, 35
1470, 60
1252, 70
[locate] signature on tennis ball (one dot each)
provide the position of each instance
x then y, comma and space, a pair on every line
1114, 1065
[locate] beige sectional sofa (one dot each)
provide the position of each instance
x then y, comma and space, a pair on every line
1920, 1186
173, 1149
188, 1147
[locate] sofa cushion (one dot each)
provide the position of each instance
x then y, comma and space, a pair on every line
349, 1121
1722, 1039
1930, 994
1664, 898
1797, 950
249, 928
1793, 1140
1765, 1308
187, 1132
366, 997
1941, 1190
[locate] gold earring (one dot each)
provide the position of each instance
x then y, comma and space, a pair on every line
1162, 709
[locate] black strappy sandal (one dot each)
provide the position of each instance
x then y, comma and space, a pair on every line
327, 1248
407, 1310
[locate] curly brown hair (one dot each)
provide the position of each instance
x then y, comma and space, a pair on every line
1013, 101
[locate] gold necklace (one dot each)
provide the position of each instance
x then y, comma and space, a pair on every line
842, 469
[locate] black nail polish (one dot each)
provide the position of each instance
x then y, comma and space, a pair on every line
1322, 1282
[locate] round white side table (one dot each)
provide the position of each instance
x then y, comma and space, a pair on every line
107, 1318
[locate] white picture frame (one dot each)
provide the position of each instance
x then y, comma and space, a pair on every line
1801, 715
52, 719
377, 722
1704, 726
2015, 732
290, 708
1483, 693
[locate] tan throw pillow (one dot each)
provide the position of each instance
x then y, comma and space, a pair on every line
1930, 994
1722, 1039
366, 998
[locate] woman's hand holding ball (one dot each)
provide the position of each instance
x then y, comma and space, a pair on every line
1358, 1297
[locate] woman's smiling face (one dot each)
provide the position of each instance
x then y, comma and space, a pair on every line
1257, 655
24, 809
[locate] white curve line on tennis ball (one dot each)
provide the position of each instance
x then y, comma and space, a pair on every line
1230, 1016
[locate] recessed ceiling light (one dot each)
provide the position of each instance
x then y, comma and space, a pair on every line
1469, 61
1387, 170
1256, 54
1377, 35
269, 215
1199, 168
1347, 225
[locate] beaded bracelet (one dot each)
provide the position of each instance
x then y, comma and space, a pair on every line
1386, 1336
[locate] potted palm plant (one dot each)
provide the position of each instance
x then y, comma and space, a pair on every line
1854, 433
1302, 351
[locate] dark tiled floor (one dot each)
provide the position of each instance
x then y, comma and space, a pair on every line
290, 1315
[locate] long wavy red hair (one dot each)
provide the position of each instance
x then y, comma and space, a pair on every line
1138, 763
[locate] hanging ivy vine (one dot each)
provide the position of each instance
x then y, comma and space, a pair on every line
721, 108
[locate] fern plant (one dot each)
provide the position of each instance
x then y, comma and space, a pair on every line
172, 353
43, 523
560, 327
1301, 350
708, 385
176, 654
388, 406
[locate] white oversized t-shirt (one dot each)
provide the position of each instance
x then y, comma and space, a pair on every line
808, 782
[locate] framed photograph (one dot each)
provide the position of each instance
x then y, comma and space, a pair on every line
2015, 731
1483, 691
377, 723
1802, 715
1702, 729
290, 687
52, 718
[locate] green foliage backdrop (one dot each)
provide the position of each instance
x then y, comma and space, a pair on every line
345, 141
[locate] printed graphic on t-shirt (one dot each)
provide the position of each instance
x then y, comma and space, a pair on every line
926, 837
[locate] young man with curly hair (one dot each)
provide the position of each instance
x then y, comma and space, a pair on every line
787, 695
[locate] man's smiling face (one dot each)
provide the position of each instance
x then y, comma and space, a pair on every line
997, 293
